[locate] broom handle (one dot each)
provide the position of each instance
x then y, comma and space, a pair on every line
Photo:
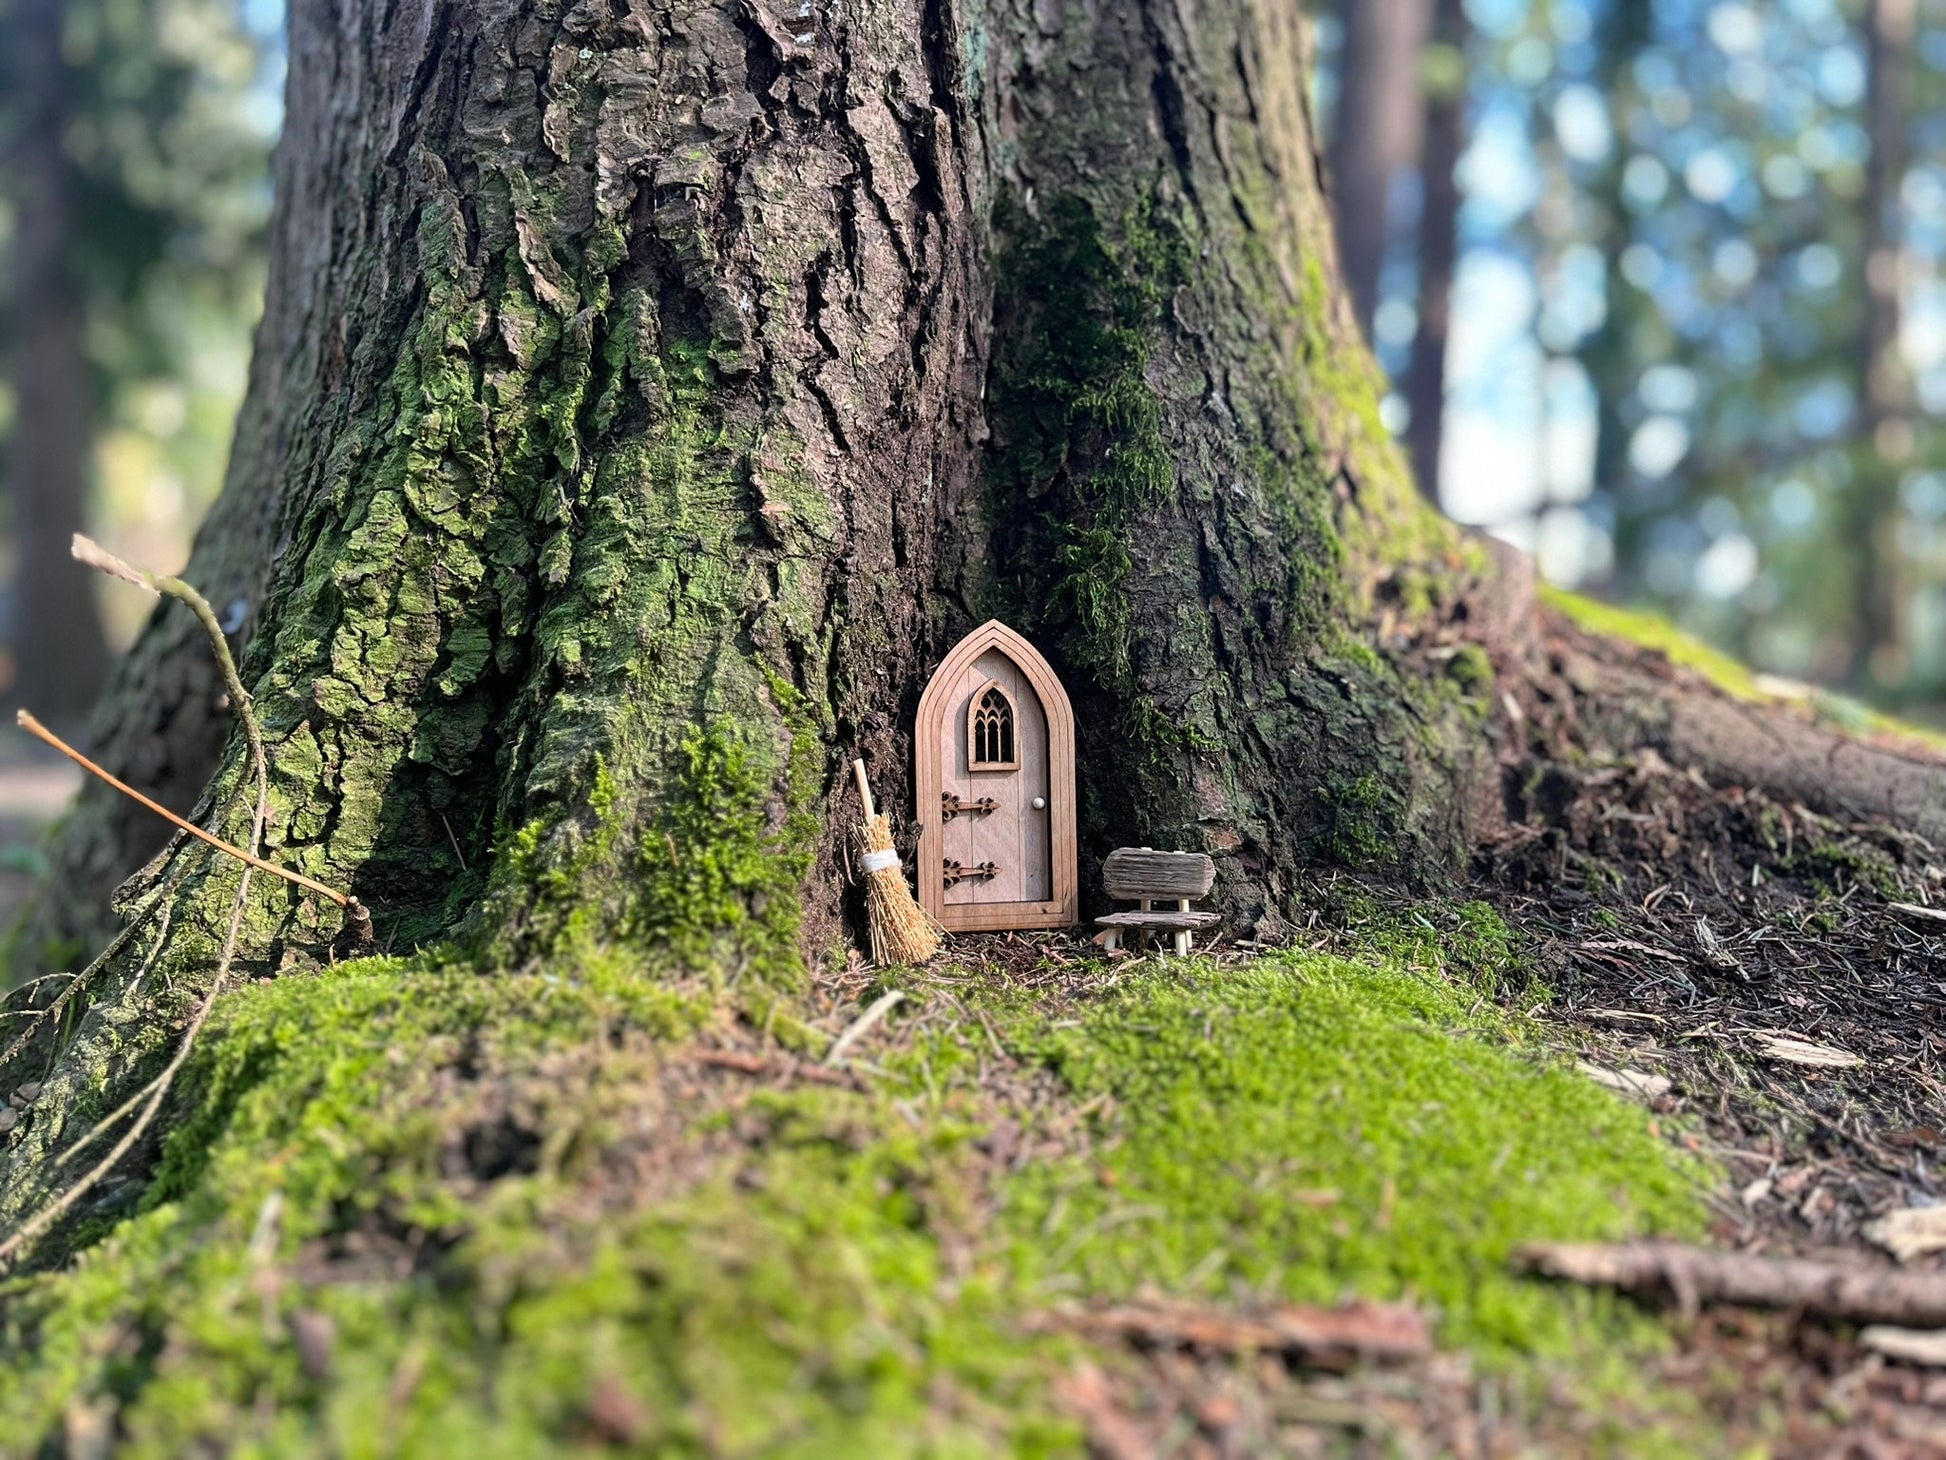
864, 789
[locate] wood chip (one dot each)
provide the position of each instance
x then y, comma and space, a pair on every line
1914, 1345
1911, 1232
1627, 1082
1793, 1051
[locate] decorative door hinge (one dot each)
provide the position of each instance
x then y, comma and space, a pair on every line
980, 872
951, 806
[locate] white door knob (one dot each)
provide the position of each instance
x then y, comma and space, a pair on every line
1040, 803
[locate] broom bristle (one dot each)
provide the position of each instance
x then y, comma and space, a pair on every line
901, 930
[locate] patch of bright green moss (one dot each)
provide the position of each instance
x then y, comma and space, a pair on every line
715, 884
434, 1167
1726, 673
1307, 1127
522, 1240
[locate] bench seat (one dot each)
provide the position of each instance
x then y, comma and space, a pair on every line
1159, 919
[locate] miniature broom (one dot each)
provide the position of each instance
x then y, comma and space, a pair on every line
902, 931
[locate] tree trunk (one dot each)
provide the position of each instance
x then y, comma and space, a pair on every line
1375, 134
1445, 136
1880, 651
647, 398
60, 655
1610, 355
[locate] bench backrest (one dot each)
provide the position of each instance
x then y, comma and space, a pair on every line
1133, 873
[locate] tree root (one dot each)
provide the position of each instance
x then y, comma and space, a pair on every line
1572, 687
1696, 1275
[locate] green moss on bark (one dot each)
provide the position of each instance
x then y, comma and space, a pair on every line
1081, 455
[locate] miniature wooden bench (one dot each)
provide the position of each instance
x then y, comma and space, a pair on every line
1144, 876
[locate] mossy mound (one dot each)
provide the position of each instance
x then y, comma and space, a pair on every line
404, 1209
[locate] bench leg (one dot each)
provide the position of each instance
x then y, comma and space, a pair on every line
1112, 940
1182, 944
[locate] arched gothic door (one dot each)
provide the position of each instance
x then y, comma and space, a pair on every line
995, 746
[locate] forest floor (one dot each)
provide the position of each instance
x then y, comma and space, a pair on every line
1044, 1200
1667, 935
1769, 984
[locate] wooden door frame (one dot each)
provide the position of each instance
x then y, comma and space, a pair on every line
1062, 909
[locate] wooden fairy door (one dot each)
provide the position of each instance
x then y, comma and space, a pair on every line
995, 746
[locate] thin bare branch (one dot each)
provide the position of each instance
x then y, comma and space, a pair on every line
35, 728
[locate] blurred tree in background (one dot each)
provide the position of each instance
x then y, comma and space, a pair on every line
135, 137
1698, 346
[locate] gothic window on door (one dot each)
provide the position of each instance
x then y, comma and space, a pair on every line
991, 731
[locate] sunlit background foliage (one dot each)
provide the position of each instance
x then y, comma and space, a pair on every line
171, 108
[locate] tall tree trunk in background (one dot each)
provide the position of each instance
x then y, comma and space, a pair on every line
1880, 650
1375, 133
60, 655
647, 397
1445, 75
1625, 32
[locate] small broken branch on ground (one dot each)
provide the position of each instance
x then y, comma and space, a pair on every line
784, 1070
1696, 1275
1329, 1337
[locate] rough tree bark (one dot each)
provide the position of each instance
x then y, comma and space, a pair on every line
648, 395
60, 654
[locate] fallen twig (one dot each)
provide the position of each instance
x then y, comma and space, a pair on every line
1318, 1335
756, 1064
1917, 912
1696, 1275
881, 1006
40, 731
